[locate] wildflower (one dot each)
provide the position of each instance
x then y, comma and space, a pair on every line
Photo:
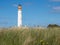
43, 43
41, 40
47, 43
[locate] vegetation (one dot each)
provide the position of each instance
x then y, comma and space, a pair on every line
30, 36
53, 25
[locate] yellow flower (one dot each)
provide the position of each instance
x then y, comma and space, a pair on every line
41, 40
43, 43
47, 43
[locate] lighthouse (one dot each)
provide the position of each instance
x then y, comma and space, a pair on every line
19, 15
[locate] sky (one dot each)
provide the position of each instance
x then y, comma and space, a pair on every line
34, 12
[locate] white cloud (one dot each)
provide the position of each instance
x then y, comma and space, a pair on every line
56, 8
27, 3
15, 5
55, 0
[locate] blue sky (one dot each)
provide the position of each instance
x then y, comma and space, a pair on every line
34, 12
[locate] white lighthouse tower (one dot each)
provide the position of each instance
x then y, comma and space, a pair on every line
19, 15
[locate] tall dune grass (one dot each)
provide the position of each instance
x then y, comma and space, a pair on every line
30, 36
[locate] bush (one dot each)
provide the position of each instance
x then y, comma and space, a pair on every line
53, 25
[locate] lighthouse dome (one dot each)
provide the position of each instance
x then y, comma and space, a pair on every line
19, 5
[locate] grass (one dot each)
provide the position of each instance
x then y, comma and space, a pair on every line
30, 36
